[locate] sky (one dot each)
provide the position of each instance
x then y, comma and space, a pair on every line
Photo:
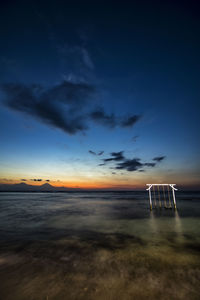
100, 94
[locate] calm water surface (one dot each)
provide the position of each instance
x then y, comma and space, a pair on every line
104, 245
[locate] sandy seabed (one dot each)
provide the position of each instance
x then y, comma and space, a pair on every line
110, 267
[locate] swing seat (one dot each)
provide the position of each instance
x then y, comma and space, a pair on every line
158, 201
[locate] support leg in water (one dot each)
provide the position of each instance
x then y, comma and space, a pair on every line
160, 204
169, 198
154, 194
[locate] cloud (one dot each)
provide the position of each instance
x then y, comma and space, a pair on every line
111, 120
71, 93
130, 121
134, 164
115, 156
87, 58
149, 164
77, 57
134, 138
159, 158
64, 106
7, 179
100, 153
36, 179
94, 153
131, 165
100, 117
60, 106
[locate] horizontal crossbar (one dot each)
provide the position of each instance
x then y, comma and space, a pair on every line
160, 184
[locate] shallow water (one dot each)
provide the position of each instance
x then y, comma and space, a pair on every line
104, 245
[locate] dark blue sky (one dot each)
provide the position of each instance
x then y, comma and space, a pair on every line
89, 76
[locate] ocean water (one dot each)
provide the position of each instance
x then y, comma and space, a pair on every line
98, 245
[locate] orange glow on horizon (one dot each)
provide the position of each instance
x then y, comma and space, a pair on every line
106, 184
135, 182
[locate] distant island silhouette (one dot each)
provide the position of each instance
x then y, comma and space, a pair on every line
46, 187
23, 187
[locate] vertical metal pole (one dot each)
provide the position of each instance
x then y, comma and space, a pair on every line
160, 204
169, 198
150, 202
174, 199
154, 194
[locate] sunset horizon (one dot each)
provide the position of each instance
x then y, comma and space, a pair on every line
93, 186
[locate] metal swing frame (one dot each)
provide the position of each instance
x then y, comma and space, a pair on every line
168, 185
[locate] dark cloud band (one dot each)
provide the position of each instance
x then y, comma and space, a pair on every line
135, 164
64, 106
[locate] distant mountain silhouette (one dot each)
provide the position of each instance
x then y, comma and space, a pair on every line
23, 187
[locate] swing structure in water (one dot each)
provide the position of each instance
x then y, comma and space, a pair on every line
163, 195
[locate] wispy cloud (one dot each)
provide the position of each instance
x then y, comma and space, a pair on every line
158, 158
134, 138
101, 153
100, 117
131, 165
111, 120
78, 54
36, 179
87, 58
115, 156
130, 121
94, 153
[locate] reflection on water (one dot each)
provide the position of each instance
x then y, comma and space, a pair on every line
98, 246
152, 223
178, 225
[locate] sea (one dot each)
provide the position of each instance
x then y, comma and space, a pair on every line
98, 245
